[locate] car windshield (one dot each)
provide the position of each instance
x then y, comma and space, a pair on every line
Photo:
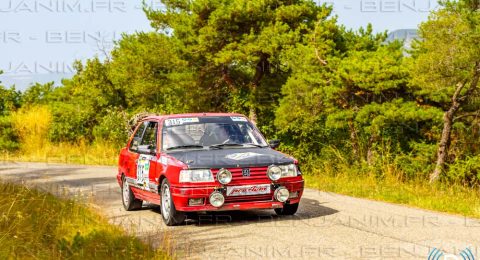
210, 132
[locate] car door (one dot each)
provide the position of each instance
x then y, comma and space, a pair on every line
147, 159
133, 150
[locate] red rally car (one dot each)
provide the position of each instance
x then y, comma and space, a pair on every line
206, 162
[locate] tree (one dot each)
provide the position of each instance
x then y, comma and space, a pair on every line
351, 86
147, 69
79, 104
9, 102
38, 94
9, 99
446, 66
234, 46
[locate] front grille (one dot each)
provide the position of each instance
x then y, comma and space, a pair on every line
256, 173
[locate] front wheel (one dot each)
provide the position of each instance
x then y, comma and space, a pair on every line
128, 199
287, 210
170, 215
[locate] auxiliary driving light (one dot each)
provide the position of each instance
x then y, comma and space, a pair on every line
224, 176
217, 199
274, 173
281, 194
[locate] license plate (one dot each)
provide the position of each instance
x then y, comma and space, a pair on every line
248, 190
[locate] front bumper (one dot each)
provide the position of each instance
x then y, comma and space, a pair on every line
181, 196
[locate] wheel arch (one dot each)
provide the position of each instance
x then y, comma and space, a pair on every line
160, 180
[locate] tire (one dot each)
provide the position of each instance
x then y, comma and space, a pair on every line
287, 210
128, 199
170, 215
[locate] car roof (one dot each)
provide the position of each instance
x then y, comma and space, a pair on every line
161, 117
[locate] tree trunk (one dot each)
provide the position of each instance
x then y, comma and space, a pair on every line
253, 115
444, 144
253, 112
448, 119
354, 139
370, 151
260, 70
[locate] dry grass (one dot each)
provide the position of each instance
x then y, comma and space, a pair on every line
80, 153
35, 225
32, 125
450, 198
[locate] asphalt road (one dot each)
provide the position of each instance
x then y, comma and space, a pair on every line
326, 226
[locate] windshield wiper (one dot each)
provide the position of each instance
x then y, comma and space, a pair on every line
184, 147
256, 145
223, 145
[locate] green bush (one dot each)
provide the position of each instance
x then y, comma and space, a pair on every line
113, 128
9, 140
465, 171
71, 122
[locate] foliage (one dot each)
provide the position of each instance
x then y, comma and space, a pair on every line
8, 136
10, 100
112, 128
446, 68
147, 71
465, 171
349, 91
443, 197
38, 94
38, 225
236, 47
448, 52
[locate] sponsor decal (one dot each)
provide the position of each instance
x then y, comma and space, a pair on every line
181, 121
248, 190
238, 119
242, 156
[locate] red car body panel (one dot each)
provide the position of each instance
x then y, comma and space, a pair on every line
182, 192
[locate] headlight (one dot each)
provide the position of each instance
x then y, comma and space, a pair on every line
196, 176
289, 170
224, 176
274, 173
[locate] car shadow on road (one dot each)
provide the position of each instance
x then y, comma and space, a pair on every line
217, 226
308, 209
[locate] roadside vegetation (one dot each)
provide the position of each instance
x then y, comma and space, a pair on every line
442, 197
365, 116
36, 225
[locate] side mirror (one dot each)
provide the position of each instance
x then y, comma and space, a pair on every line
147, 149
274, 144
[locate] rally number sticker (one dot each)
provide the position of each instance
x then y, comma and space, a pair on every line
143, 170
181, 121
238, 119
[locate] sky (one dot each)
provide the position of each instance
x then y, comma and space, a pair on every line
40, 39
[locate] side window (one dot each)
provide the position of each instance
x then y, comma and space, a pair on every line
150, 136
137, 137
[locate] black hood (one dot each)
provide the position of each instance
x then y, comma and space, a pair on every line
231, 158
